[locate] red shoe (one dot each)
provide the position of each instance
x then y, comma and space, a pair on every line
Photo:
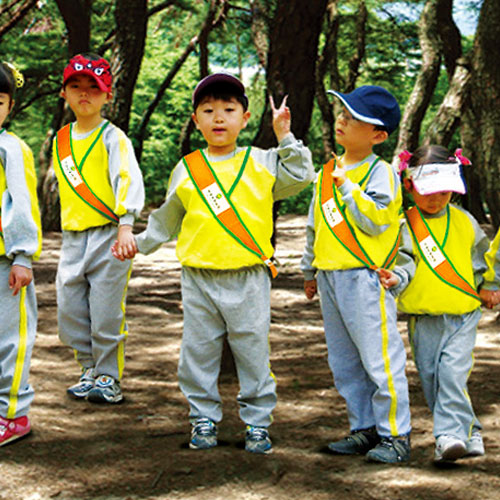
12, 429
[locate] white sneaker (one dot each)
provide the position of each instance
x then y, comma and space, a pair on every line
449, 448
475, 445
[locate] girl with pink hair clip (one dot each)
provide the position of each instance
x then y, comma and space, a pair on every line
438, 277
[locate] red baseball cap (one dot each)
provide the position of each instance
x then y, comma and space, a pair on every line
99, 70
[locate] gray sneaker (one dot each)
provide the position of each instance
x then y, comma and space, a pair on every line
391, 450
358, 443
82, 388
257, 440
475, 445
106, 390
203, 434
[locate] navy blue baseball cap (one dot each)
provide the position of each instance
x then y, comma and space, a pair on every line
221, 80
372, 104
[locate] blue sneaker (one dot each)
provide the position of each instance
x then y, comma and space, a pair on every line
203, 434
106, 390
390, 450
82, 388
257, 440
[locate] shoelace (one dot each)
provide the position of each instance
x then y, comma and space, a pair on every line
204, 427
257, 433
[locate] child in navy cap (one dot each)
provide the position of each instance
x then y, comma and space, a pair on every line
353, 230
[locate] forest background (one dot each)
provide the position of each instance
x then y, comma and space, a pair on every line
447, 82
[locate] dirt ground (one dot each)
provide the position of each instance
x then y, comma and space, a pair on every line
138, 450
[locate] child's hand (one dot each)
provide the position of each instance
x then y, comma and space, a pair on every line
489, 298
339, 174
387, 278
19, 276
281, 118
125, 246
310, 287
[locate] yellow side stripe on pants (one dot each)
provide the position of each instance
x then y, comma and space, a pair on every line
387, 365
123, 330
21, 353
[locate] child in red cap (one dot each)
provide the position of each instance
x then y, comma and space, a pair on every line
101, 192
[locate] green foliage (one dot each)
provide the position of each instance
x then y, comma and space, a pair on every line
38, 46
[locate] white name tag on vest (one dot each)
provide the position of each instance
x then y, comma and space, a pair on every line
431, 251
215, 198
69, 169
332, 213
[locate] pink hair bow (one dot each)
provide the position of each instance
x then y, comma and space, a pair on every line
404, 159
462, 159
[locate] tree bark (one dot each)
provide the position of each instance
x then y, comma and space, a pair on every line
326, 60
484, 118
15, 16
291, 67
357, 58
430, 44
128, 50
76, 16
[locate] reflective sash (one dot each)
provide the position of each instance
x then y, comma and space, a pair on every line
337, 223
220, 205
72, 172
434, 256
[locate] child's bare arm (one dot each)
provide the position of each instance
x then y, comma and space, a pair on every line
282, 118
125, 246
19, 276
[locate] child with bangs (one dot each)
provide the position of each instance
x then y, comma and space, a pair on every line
438, 278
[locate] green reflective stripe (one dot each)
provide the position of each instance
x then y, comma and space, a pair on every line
372, 166
328, 225
447, 225
351, 229
230, 204
445, 256
76, 192
240, 173
80, 167
386, 263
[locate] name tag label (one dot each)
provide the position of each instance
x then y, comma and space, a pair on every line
431, 251
71, 172
215, 198
332, 213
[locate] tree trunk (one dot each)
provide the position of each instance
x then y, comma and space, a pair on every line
355, 61
328, 59
15, 16
484, 119
76, 15
425, 84
128, 49
291, 68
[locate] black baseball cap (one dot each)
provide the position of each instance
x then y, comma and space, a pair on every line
225, 81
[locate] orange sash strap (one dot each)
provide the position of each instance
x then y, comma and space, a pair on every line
220, 206
335, 220
434, 256
74, 177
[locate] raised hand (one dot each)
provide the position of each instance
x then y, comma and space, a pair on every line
282, 118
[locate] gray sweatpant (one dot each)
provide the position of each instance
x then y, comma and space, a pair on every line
365, 350
91, 293
236, 303
442, 348
18, 318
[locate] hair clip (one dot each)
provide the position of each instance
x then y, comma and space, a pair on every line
18, 76
404, 159
462, 159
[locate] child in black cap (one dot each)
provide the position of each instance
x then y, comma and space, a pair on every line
352, 230
219, 205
